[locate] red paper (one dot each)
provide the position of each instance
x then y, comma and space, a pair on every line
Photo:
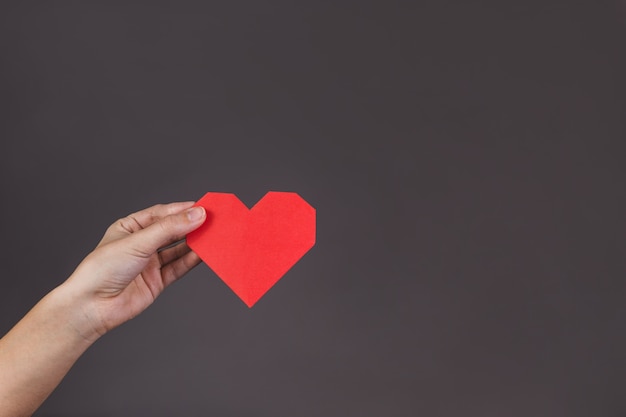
251, 249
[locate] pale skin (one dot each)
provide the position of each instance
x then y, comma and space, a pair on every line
117, 281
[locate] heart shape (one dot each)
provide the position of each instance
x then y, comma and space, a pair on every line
251, 249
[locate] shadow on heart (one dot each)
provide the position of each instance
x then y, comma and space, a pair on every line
209, 219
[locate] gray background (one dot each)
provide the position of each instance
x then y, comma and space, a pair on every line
466, 159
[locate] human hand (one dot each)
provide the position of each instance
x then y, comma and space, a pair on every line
127, 272
114, 283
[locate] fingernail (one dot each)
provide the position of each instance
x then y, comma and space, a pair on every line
195, 213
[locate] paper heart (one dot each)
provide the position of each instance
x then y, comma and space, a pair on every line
251, 249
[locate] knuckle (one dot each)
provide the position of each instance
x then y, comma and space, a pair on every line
116, 225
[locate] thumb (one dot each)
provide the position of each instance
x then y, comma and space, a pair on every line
165, 231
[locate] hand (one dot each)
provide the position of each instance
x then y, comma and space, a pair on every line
117, 281
127, 272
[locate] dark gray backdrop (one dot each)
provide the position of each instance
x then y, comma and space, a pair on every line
466, 159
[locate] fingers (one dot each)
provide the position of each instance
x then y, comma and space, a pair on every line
144, 218
164, 231
176, 269
140, 220
172, 253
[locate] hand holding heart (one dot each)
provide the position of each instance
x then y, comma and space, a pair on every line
138, 257
126, 272
250, 249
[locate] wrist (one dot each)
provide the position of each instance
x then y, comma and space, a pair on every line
74, 313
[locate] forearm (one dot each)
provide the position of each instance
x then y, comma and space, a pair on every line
37, 353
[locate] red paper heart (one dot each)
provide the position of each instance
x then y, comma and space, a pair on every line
251, 249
